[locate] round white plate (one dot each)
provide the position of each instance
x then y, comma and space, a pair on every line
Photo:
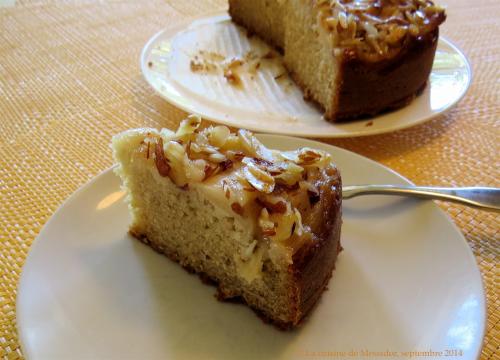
406, 281
268, 105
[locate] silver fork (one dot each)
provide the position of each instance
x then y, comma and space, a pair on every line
484, 198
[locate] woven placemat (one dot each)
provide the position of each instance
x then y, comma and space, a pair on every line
70, 79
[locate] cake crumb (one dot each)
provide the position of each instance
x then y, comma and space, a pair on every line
269, 55
232, 78
234, 69
195, 66
369, 123
280, 76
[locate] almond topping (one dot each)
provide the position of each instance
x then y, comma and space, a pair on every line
237, 208
217, 136
225, 188
268, 232
232, 78
308, 156
235, 155
216, 158
258, 178
160, 160
210, 170
278, 207
225, 165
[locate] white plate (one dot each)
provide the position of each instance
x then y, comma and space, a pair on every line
406, 281
267, 105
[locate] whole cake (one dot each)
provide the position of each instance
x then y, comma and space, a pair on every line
263, 225
352, 57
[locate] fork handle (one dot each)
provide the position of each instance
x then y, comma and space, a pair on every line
484, 198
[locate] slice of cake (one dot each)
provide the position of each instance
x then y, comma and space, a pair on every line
352, 57
264, 225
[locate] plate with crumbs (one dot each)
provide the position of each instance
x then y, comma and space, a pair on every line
406, 282
189, 65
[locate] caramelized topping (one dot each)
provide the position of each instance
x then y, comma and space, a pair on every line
160, 160
237, 208
377, 29
278, 206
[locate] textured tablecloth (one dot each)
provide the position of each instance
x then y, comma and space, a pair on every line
70, 79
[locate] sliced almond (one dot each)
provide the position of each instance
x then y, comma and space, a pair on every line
258, 178
160, 159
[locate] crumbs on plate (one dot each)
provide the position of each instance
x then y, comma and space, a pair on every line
233, 68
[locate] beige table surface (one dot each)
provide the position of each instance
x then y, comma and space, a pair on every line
69, 80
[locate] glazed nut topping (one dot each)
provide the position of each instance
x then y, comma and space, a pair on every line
258, 175
377, 29
259, 178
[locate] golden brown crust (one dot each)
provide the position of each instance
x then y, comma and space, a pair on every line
313, 265
371, 88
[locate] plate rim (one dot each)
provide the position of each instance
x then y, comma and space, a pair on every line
263, 137
224, 16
